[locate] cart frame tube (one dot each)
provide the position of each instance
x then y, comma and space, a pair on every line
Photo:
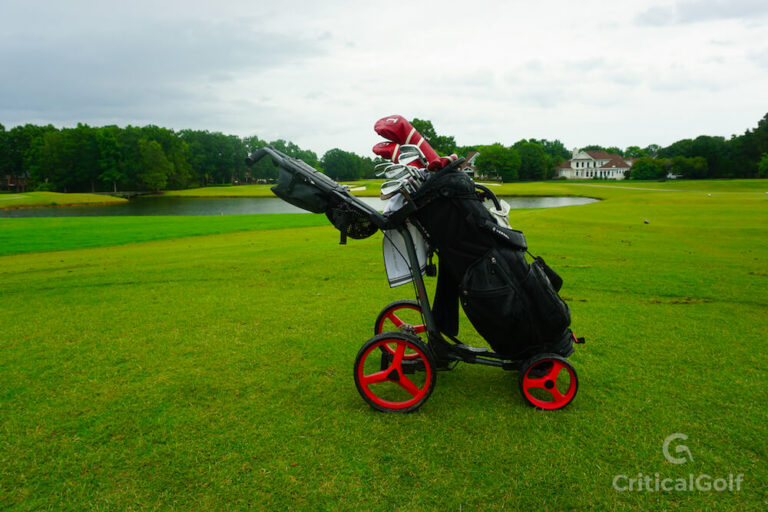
418, 281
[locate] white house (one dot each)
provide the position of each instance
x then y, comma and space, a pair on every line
585, 165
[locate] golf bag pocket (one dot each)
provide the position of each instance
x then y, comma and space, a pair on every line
495, 305
300, 191
552, 313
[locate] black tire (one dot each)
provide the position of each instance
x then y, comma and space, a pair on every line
404, 384
548, 382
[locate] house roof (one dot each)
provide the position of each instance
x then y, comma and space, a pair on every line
601, 155
617, 162
614, 160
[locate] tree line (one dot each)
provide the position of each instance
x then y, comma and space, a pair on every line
112, 158
741, 156
149, 158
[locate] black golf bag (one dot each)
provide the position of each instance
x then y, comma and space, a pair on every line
511, 303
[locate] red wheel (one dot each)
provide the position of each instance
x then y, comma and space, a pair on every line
399, 384
548, 381
401, 315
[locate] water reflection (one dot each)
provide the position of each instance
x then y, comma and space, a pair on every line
235, 206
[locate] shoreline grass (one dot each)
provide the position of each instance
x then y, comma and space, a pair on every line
54, 199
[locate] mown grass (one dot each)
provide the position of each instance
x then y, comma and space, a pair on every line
31, 199
215, 372
19, 235
223, 191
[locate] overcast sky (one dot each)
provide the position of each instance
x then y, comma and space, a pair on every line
321, 72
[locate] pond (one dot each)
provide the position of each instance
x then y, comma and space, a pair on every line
235, 206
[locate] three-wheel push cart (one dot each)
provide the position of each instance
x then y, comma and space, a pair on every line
512, 303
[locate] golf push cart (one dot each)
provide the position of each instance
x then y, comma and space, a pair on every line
435, 207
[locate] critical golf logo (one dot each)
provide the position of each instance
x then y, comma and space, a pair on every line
676, 452
681, 450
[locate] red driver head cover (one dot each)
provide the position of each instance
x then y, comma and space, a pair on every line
391, 151
399, 130
388, 150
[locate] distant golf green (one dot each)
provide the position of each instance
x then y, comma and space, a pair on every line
28, 199
205, 363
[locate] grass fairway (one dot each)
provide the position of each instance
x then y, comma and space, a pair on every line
215, 372
20, 235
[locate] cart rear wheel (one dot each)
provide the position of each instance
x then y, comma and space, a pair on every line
403, 316
394, 383
548, 381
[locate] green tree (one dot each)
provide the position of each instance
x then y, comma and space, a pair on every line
647, 168
497, 160
762, 166
443, 144
556, 153
109, 156
342, 165
83, 141
19, 141
5, 153
634, 152
652, 150
176, 151
717, 154
533, 161
155, 165
690, 168
593, 147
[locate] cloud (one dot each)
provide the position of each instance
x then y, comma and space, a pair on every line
760, 58
694, 11
143, 67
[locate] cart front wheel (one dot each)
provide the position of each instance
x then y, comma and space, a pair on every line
548, 381
396, 383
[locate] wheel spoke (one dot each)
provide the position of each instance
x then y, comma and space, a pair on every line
534, 382
556, 394
409, 386
394, 319
388, 349
419, 329
555, 370
399, 353
375, 377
